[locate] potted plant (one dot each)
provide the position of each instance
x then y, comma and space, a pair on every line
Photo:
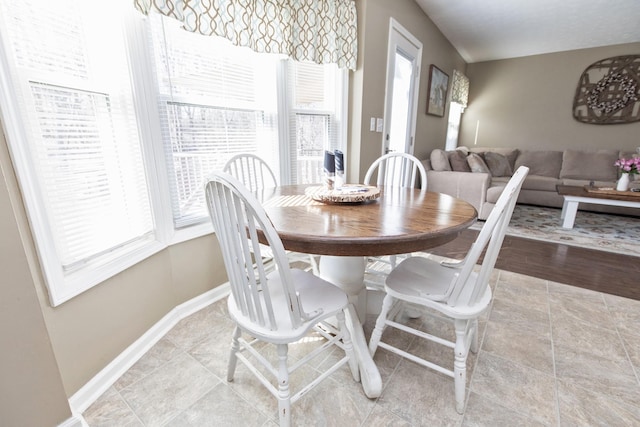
628, 168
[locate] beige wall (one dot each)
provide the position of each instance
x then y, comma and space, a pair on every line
367, 85
31, 390
527, 103
90, 330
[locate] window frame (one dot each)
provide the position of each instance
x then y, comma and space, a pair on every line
63, 287
338, 120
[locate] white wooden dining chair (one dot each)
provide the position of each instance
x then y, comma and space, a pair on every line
251, 170
454, 289
393, 170
255, 174
397, 170
279, 307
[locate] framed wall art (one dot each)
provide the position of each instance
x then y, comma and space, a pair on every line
609, 92
438, 85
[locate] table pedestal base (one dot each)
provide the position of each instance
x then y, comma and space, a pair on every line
348, 274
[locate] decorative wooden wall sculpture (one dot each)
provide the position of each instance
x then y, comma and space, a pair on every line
609, 91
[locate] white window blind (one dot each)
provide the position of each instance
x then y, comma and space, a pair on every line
105, 189
87, 187
312, 119
216, 100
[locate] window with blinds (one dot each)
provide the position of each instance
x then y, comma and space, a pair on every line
114, 120
215, 101
312, 118
78, 137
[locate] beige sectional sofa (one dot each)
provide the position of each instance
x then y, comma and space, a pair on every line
479, 174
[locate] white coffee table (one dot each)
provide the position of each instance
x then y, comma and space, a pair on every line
573, 196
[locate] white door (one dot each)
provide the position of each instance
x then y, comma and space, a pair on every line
403, 78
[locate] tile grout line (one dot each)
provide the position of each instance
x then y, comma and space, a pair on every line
553, 355
480, 344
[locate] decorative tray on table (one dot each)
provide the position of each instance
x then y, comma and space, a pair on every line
611, 190
348, 193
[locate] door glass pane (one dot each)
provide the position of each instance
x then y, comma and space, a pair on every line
401, 103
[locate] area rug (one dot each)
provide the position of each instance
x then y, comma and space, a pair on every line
612, 233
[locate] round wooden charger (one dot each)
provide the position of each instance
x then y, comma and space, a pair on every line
348, 193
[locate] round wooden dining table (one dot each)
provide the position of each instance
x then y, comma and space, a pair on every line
399, 221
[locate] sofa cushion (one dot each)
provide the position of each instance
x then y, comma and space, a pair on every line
510, 153
498, 164
540, 183
590, 165
494, 192
477, 163
499, 181
458, 161
439, 160
543, 163
583, 182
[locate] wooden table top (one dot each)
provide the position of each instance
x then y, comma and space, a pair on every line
400, 221
578, 191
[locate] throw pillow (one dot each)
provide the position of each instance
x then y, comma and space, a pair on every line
464, 149
589, 165
511, 156
477, 163
543, 163
458, 160
439, 160
498, 164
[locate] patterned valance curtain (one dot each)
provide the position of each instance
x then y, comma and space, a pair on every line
460, 89
322, 31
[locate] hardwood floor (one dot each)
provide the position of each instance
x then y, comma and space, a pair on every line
586, 268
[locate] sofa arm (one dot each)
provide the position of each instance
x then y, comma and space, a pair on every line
468, 186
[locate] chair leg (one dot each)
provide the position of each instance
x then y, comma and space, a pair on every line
474, 336
460, 364
314, 265
233, 358
376, 335
284, 395
348, 346
393, 260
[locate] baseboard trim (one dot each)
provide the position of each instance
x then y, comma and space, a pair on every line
74, 421
100, 383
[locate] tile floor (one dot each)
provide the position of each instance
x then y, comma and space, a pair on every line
550, 355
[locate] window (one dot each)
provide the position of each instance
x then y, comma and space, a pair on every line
315, 126
214, 100
459, 100
114, 121
74, 139
453, 125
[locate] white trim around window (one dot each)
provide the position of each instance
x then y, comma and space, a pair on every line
155, 154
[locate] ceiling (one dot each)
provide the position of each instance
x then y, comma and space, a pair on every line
485, 30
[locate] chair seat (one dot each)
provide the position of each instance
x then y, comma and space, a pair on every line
428, 283
315, 294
